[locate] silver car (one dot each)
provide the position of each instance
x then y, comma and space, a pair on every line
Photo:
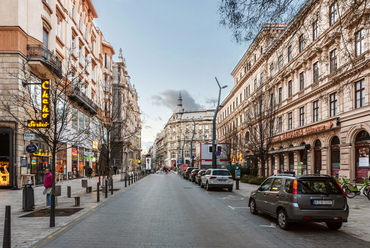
307, 198
217, 178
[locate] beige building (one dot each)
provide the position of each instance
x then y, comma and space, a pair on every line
315, 72
56, 39
176, 143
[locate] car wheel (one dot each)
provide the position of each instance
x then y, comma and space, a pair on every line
283, 220
253, 207
230, 189
207, 187
201, 185
334, 225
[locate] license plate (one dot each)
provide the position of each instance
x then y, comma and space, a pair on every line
222, 180
322, 202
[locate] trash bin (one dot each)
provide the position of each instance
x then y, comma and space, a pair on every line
28, 200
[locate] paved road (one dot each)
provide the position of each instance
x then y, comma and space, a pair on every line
167, 211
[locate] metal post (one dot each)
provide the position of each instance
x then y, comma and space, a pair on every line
132, 179
129, 180
126, 180
52, 209
191, 146
7, 228
237, 184
111, 186
97, 192
214, 164
106, 188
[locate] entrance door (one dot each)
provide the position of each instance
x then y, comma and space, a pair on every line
317, 162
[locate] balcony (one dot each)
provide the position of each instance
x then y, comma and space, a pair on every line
81, 98
44, 61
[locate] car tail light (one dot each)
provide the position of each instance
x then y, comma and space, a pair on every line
231, 178
295, 187
337, 218
340, 187
212, 177
307, 218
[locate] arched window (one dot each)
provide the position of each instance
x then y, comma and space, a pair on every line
362, 155
335, 155
247, 138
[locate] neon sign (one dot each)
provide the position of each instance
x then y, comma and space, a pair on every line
45, 108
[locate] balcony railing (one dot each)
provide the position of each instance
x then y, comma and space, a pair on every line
38, 52
82, 99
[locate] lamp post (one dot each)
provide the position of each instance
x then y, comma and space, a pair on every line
214, 165
191, 145
182, 151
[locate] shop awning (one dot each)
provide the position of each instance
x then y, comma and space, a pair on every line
288, 149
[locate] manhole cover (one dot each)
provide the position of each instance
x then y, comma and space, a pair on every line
108, 190
188, 188
58, 212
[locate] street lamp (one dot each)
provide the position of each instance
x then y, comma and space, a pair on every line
191, 144
214, 165
182, 152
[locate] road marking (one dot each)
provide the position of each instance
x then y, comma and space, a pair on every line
272, 225
231, 197
233, 208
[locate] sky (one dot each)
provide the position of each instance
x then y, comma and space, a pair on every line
170, 46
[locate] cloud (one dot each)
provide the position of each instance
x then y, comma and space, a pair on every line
169, 99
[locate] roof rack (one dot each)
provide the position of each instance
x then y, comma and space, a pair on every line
286, 173
317, 175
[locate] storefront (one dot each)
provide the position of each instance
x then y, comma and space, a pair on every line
61, 168
335, 156
74, 173
39, 162
6, 157
362, 145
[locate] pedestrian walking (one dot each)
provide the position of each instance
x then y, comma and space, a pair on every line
89, 171
48, 184
115, 170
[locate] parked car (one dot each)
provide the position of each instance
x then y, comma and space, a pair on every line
307, 198
187, 172
217, 178
198, 177
193, 174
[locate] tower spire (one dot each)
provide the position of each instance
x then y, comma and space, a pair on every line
179, 100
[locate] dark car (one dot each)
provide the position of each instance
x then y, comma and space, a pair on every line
187, 172
193, 174
307, 198
198, 177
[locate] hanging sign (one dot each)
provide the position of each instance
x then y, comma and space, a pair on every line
29, 136
31, 148
45, 108
42, 154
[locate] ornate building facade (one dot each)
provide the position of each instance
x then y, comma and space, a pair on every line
315, 72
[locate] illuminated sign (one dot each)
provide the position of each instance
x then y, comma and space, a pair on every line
45, 108
42, 154
303, 131
95, 145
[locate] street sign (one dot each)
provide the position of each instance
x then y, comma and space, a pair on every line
192, 157
218, 153
29, 136
31, 148
23, 161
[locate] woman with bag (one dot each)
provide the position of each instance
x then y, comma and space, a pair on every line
48, 184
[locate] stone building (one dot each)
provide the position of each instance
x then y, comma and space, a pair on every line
57, 40
315, 71
176, 143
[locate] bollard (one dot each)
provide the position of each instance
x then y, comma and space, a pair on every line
98, 192
125, 181
69, 192
7, 229
106, 188
111, 186
135, 177
237, 184
129, 180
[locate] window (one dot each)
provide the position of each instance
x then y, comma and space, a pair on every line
290, 88
272, 100
280, 124
266, 185
95, 128
80, 120
315, 111
333, 104
272, 70
301, 43
255, 83
80, 23
79, 54
290, 56
105, 60
86, 30
280, 95
316, 72
280, 62
301, 81
289, 186
360, 94
106, 83
73, 45
237, 102
45, 39
35, 90
73, 11
290, 120
276, 185
301, 116
59, 27
333, 60
261, 82
359, 36
315, 31
333, 13
87, 123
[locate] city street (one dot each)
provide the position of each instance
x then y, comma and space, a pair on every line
166, 210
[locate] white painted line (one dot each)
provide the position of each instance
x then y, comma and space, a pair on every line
272, 225
233, 208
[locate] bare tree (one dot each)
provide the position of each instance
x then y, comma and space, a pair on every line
42, 105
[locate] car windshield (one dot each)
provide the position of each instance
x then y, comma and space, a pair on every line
221, 173
318, 186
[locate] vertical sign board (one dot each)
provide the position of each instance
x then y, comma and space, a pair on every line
148, 163
45, 108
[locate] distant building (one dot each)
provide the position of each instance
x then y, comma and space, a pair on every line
174, 144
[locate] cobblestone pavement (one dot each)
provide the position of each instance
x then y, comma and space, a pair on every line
167, 211
27, 231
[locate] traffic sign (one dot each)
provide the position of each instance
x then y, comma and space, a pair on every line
218, 153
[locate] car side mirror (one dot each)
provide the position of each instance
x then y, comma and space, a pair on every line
259, 188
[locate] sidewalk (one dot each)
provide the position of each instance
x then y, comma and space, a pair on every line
359, 215
27, 231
